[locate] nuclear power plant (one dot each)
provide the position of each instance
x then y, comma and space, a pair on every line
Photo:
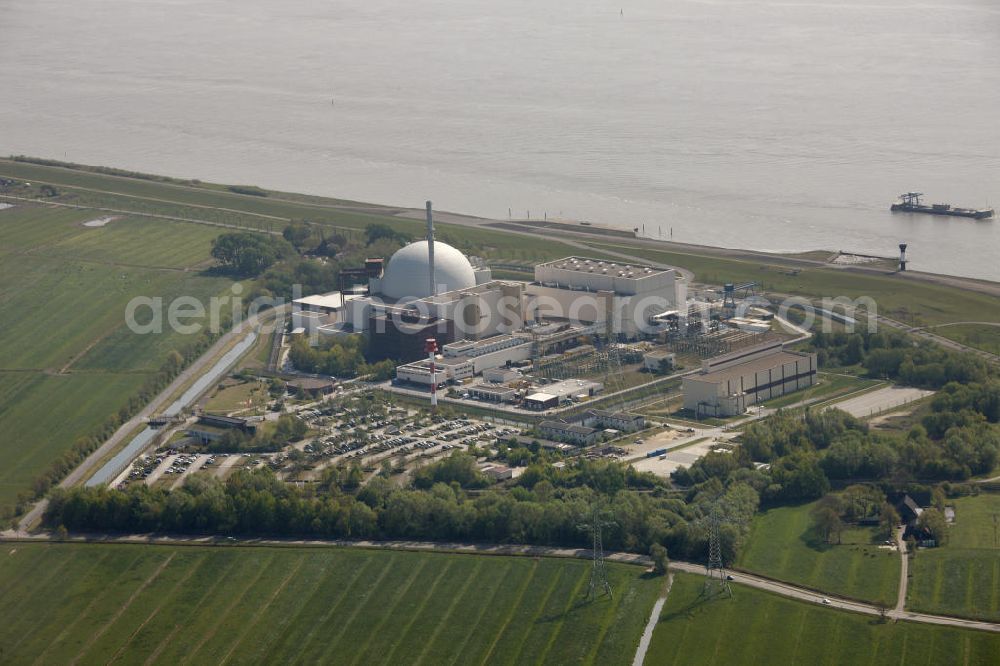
430, 290
445, 321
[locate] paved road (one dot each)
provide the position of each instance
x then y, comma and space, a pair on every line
751, 580
160, 470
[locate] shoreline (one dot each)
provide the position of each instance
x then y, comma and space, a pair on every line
553, 229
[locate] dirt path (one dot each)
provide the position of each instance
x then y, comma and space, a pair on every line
904, 573
654, 618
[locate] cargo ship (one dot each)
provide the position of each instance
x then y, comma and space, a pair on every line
910, 203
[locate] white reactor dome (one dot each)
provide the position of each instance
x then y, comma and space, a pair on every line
408, 271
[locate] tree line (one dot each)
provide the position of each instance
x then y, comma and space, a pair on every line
450, 501
889, 354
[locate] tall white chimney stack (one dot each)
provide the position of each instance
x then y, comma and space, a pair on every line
430, 248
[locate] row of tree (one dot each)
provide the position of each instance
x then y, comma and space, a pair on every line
890, 354
343, 356
797, 456
257, 503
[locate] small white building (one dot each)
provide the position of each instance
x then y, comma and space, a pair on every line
445, 370
656, 361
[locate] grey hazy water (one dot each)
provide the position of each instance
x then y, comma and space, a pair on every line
770, 125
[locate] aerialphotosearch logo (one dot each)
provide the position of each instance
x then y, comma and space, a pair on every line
475, 315
188, 315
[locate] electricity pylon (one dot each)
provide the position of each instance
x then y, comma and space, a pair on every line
598, 572
716, 580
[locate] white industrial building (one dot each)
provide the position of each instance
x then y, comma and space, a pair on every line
321, 313
658, 360
624, 421
623, 297
728, 384
445, 370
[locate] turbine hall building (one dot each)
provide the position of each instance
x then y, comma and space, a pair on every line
727, 385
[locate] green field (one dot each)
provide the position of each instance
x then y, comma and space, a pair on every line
68, 360
756, 627
155, 604
980, 336
237, 397
783, 545
963, 577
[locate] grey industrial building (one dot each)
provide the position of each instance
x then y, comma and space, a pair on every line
728, 384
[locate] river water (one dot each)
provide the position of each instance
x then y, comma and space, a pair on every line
774, 125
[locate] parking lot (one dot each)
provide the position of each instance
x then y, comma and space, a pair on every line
683, 454
881, 400
401, 436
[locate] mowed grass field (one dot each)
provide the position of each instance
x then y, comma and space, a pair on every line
963, 577
756, 627
783, 545
80, 603
67, 359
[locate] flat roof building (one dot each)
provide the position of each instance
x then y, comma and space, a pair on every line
626, 421
540, 401
729, 384
622, 297
570, 432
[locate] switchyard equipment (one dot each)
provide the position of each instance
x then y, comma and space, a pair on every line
729, 293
